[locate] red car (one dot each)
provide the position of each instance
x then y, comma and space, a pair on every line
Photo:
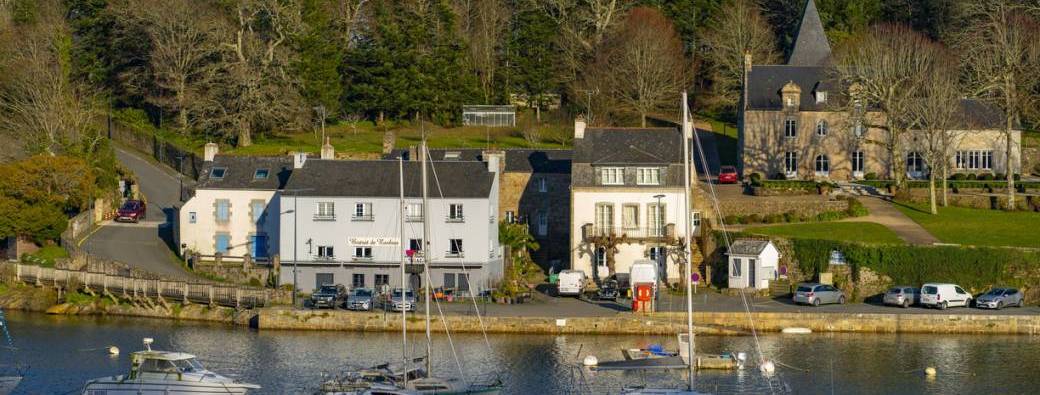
728, 175
132, 211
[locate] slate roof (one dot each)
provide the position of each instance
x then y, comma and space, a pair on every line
977, 114
380, 178
811, 47
521, 160
765, 82
240, 171
747, 247
629, 146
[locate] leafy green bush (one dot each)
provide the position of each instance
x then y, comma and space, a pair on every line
753, 219
756, 178
870, 176
959, 177
856, 208
773, 218
986, 177
972, 177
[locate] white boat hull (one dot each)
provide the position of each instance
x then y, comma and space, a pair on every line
163, 387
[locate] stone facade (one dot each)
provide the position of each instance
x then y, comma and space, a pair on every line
543, 201
805, 205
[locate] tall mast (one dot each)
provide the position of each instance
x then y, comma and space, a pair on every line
687, 133
427, 253
400, 247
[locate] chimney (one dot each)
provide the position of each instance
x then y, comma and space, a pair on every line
298, 159
413, 153
495, 160
747, 61
579, 127
210, 151
327, 151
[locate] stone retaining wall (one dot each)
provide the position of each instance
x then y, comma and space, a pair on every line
722, 323
763, 205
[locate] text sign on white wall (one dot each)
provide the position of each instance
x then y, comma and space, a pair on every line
374, 241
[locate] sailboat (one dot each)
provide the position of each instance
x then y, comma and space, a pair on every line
410, 376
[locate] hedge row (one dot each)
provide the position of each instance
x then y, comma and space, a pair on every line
953, 184
855, 209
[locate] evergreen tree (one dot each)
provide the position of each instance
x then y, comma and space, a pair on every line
105, 51
531, 65
320, 55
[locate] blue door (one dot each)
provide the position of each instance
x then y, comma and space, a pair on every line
259, 243
223, 242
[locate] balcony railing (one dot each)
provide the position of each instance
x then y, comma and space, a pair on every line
324, 217
590, 231
363, 218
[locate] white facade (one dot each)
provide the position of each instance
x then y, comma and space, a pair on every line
754, 271
341, 247
250, 225
584, 203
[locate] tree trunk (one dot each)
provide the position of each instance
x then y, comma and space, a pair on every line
931, 192
245, 137
610, 262
946, 176
182, 110
1007, 164
642, 118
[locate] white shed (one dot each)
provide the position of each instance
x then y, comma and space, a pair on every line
752, 263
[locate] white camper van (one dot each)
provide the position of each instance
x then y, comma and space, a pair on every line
571, 283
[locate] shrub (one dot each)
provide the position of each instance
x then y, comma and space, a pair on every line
1000, 176
790, 216
755, 178
1017, 177
972, 177
959, 177
870, 176
773, 218
753, 219
856, 208
986, 177
732, 219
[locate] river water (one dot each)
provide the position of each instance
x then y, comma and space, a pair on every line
63, 352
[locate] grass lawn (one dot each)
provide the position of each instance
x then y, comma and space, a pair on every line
979, 227
862, 232
46, 256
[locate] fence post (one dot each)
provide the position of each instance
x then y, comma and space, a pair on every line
39, 272
238, 296
210, 294
185, 295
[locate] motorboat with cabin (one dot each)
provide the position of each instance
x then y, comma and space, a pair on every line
166, 372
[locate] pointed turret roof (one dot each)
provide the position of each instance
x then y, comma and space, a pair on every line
810, 47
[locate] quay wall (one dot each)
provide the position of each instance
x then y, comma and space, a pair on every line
714, 323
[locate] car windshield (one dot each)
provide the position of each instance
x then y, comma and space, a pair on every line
130, 206
804, 288
728, 169
327, 290
995, 292
397, 293
895, 291
362, 292
930, 290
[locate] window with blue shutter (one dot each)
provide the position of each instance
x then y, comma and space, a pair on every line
223, 243
223, 210
258, 211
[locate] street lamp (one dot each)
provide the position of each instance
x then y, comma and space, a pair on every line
294, 212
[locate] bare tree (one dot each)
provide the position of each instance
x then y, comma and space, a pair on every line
738, 30
182, 34
1001, 54
483, 22
938, 117
883, 67
641, 64
583, 25
349, 14
253, 90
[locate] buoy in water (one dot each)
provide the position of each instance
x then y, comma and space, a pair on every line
113, 350
929, 371
591, 361
768, 367
796, 331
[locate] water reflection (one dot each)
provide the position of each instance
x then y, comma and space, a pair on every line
65, 351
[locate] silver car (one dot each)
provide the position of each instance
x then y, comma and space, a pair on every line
816, 294
359, 299
902, 296
999, 298
402, 300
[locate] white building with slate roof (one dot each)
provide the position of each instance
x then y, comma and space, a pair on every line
343, 218
753, 263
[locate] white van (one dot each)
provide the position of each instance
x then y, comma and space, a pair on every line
944, 295
643, 272
571, 282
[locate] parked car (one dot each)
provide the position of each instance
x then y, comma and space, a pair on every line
402, 300
728, 175
608, 291
902, 296
571, 283
942, 296
817, 294
999, 298
360, 299
328, 295
131, 211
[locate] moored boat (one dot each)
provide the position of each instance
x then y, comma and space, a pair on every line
166, 372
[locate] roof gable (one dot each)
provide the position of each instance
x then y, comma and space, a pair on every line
749, 247
811, 47
629, 146
380, 178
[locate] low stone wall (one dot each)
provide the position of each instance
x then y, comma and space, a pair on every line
766, 205
975, 199
720, 323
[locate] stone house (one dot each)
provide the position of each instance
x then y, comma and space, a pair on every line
233, 210
534, 189
627, 184
796, 121
343, 224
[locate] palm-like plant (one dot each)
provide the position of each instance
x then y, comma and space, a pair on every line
520, 243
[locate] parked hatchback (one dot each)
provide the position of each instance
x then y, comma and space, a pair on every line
999, 298
359, 299
728, 175
402, 300
328, 295
902, 296
131, 210
816, 294
942, 296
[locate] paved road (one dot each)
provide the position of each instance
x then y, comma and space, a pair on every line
145, 245
883, 212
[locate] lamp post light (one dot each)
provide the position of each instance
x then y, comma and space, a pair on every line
295, 213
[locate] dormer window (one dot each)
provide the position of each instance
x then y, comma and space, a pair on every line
261, 174
789, 101
217, 173
821, 97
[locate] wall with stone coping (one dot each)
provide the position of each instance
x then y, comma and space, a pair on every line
763, 205
718, 323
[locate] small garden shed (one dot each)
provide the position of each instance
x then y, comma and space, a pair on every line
752, 263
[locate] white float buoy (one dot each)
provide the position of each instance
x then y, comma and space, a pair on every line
929, 371
796, 331
590, 361
113, 350
768, 367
